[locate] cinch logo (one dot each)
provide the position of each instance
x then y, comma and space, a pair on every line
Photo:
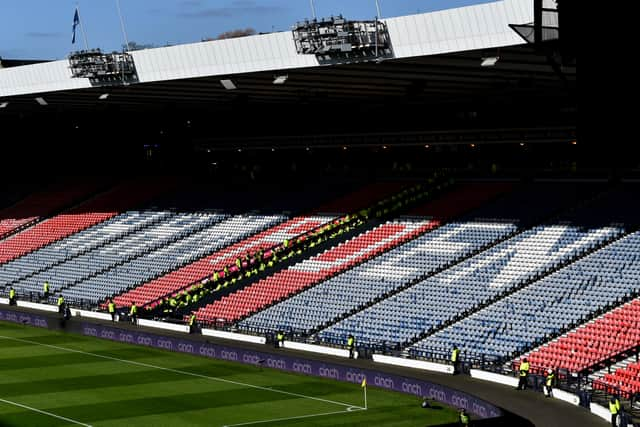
144, 340
250, 358
12, 317
383, 382
276, 363
329, 373
108, 335
41, 323
304, 368
207, 351
166, 344
479, 410
354, 377
25, 319
185, 348
91, 331
229, 355
127, 338
412, 388
459, 401
437, 394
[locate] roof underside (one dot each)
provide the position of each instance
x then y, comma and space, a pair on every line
521, 72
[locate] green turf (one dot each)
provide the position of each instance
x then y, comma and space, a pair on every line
101, 391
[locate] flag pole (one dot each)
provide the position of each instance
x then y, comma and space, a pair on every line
313, 9
84, 35
124, 32
365, 397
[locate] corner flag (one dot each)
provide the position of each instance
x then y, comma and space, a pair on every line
76, 22
364, 382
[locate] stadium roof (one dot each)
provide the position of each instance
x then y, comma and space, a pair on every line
436, 54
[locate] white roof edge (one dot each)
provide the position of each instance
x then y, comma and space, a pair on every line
466, 28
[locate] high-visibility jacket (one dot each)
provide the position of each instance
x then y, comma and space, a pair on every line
549, 379
350, 342
60, 301
454, 354
192, 320
614, 407
12, 293
524, 369
46, 287
464, 419
112, 307
134, 310
280, 337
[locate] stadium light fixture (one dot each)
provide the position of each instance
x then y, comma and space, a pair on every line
489, 61
41, 101
279, 80
4, 104
103, 96
228, 84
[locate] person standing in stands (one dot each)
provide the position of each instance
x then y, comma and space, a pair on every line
192, 322
133, 314
455, 359
351, 345
280, 339
45, 290
61, 304
12, 296
548, 382
112, 310
524, 374
464, 417
614, 408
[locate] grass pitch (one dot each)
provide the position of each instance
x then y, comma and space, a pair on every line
55, 379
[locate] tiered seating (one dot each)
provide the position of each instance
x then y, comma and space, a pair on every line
545, 307
378, 276
94, 211
168, 257
41, 204
442, 297
92, 262
624, 381
310, 271
205, 267
607, 336
65, 249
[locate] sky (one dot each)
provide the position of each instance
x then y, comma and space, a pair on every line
42, 29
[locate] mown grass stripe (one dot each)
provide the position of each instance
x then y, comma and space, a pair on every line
177, 371
44, 412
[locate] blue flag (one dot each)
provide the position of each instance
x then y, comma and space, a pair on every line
76, 22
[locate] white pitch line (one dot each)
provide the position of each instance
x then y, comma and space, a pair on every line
177, 371
44, 412
296, 418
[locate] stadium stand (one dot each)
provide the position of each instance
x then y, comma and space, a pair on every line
310, 271
77, 244
179, 280
118, 252
40, 204
100, 208
167, 257
379, 276
587, 346
546, 307
434, 300
624, 381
